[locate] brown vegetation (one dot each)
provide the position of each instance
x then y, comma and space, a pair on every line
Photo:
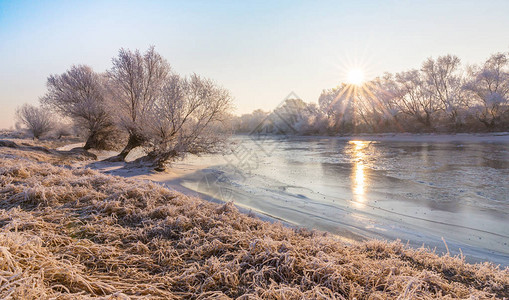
40, 152
70, 233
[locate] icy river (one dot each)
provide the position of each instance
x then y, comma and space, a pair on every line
431, 190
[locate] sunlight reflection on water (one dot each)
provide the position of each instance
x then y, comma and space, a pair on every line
359, 181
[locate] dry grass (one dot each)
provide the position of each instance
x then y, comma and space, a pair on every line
25, 139
39, 152
76, 233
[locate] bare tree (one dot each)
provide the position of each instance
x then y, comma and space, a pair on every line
337, 105
79, 94
384, 90
489, 86
445, 82
415, 97
37, 120
293, 116
248, 122
63, 129
368, 107
136, 82
187, 118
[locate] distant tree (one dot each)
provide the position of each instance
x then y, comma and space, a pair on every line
445, 82
292, 117
136, 81
338, 107
38, 121
80, 95
189, 117
489, 86
62, 129
415, 97
384, 90
247, 123
368, 108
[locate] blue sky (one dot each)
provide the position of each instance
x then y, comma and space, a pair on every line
259, 50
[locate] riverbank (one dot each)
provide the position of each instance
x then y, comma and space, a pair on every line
78, 233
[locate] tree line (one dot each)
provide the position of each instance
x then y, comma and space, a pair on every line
139, 102
441, 96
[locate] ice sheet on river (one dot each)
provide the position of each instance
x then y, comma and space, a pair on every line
418, 189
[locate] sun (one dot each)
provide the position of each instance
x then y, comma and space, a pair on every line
355, 77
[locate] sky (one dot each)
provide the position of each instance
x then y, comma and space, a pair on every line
260, 50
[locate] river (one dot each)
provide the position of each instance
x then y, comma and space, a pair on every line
431, 190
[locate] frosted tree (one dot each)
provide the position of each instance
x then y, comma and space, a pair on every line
384, 89
189, 117
337, 105
135, 82
489, 86
38, 121
375, 104
80, 95
293, 116
368, 108
415, 97
250, 122
445, 82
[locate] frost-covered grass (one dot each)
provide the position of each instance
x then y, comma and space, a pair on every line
38, 152
72, 233
24, 138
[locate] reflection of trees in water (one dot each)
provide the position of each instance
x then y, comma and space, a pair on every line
445, 163
496, 158
433, 197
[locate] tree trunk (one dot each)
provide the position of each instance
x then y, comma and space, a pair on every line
91, 141
427, 123
489, 125
160, 159
133, 142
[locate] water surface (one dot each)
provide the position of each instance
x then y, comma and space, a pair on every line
415, 191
